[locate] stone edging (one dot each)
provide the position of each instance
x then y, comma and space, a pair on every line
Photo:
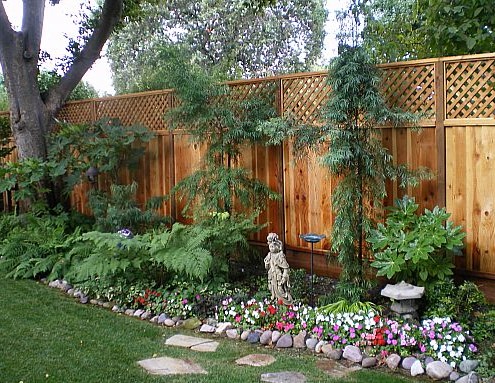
416, 365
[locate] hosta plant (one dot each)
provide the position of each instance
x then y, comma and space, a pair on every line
415, 248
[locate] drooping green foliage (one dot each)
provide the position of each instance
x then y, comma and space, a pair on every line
286, 36
224, 126
106, 145
119, 209
415, 248
48, 79
354, 115
34, 245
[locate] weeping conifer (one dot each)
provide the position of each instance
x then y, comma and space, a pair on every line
355, 112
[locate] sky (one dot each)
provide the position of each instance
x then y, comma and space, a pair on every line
58, 23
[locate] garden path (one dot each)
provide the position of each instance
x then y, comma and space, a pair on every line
172, 366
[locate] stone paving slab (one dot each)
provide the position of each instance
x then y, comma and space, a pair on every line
206, 347
335, 369
186, 341
171, 366
256, 360
283, 377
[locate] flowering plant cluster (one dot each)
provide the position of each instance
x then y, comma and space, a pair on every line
439, 337
176, 302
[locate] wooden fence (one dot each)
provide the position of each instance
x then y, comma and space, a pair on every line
457, 142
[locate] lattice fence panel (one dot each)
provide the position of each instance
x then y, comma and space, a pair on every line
246, 90
145, 109
470, 88
78, 112
410, 88
304, 97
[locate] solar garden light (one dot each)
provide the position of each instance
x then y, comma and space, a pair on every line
312, 238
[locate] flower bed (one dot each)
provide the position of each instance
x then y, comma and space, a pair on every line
438, 337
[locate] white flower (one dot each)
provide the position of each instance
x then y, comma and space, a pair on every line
461, 338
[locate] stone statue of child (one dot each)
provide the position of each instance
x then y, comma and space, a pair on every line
278, 270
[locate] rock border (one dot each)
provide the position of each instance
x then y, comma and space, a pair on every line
416, 365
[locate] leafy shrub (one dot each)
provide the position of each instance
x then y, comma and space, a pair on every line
118, 209
445, 299
36, 246
415, 248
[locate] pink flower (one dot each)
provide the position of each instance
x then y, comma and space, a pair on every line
237, 318
184, 301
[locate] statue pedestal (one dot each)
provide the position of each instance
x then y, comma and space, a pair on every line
404, 297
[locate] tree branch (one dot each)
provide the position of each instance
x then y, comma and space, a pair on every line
110, 16
33, 14
6, 30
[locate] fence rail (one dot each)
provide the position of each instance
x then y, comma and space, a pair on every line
457, 141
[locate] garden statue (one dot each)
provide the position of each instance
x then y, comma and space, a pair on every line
278, 270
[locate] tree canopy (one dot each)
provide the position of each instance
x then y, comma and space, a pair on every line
396, 30
243, 42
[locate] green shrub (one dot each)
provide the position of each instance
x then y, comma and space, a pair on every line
36, 245
415, 248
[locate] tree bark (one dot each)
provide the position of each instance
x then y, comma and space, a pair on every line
32, 118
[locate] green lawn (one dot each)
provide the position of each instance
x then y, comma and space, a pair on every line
46, 336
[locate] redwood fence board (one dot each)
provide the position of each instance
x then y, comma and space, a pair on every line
456, 96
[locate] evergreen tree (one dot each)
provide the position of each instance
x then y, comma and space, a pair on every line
354, 115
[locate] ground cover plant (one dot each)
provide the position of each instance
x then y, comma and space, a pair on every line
49, 337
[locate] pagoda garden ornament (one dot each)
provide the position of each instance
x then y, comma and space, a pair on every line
404, 296
278, 271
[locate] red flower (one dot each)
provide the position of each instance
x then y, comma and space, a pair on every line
272, 310
376, 318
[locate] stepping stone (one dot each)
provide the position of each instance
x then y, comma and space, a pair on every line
171, 366
283, 377
256, 360
185, 341
206, 347
336, 369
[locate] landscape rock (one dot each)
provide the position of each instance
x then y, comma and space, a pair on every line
472, 377
245, 334
353, 354
179, 323
169, 322
186, 341
154, 319
161, 318
83, 299
335, 354
129, 312
253, 337
256, 360
285, 341
392, 361
207, 328
191, 323
311, 343
70, 292
146, 315
116, 309
176, 318
369, 362
300, 340
276, 336
138, 313
319, 345
93, 302
428, 360
107, 305
283, 377
232, 333
417, 368
223, 327
212, 322
468, 365
454, 375
326, 348
438, 370
266, 337
408, 361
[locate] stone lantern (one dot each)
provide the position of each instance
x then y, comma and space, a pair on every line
404, 296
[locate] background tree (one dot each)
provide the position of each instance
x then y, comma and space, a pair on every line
32, 111
394, 30
243, 42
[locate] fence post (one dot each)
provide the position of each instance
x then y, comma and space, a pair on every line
173, 203
440, 99
281, 165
